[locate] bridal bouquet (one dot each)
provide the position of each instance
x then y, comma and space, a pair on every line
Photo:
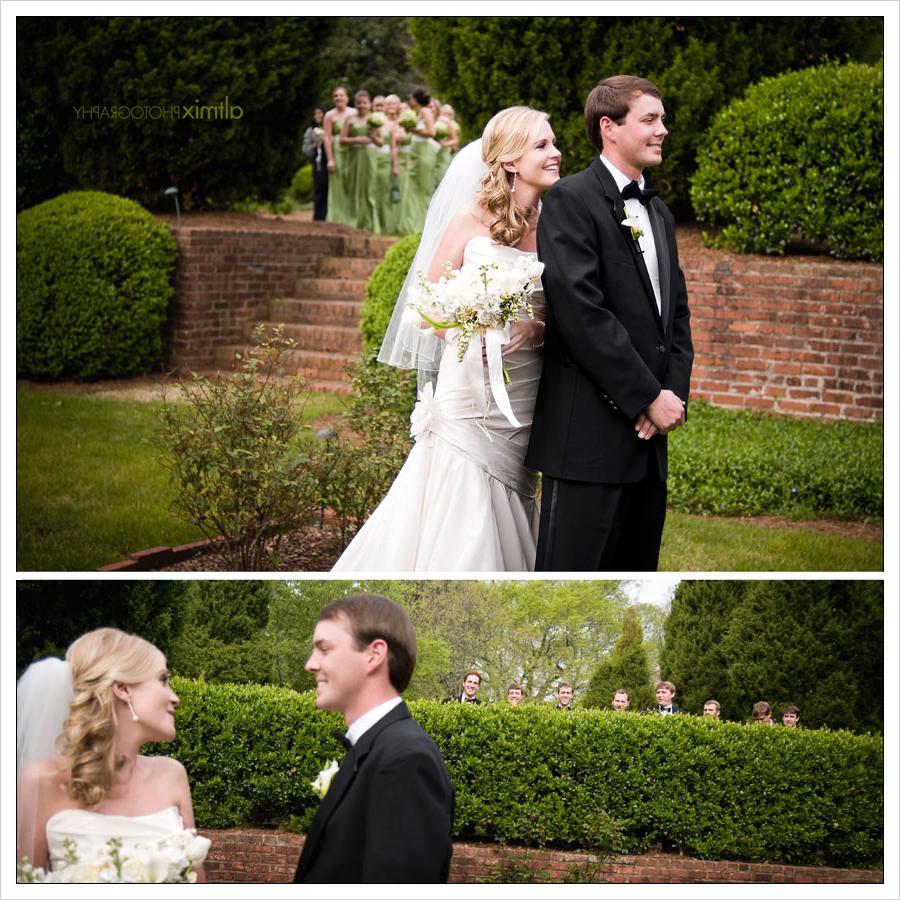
442, 131
375, 120
170, 860
479, 300
474, 299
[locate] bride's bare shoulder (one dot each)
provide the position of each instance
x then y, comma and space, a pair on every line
469, 222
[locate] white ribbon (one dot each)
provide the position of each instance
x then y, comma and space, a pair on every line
493, 339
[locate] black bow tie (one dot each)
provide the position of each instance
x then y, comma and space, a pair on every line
341, 738
632, 191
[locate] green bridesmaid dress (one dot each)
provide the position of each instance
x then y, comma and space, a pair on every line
337, 181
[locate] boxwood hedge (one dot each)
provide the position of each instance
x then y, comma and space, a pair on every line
93, 282
799, 158
588, 779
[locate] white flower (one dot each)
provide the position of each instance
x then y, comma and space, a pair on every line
323, 779
634, 224
151, 862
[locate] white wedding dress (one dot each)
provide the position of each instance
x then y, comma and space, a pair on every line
89, 831
463, 501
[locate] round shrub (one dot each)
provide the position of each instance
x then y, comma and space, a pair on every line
382, 289
799, 158
301, 188
93, 280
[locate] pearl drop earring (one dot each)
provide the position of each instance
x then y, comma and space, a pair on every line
512, 190
134, 716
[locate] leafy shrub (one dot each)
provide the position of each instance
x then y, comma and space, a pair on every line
699, 64
744, 463
236, 456
153, 76
358, 464
301, 188
800, 157
382, 289
93, 281
587, 779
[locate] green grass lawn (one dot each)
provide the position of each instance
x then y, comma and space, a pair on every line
91, 490
89, 486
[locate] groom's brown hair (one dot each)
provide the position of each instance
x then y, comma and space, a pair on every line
612, 98
372, 616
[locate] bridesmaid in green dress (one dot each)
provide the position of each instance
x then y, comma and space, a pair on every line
388, 167
423, 152
336, 155
362, 139
447, 136
402, 162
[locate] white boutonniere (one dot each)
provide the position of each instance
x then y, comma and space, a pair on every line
323, 779
634, 225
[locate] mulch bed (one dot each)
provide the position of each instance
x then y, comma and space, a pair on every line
311, 549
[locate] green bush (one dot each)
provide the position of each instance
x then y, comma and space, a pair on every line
744, 463
238, 458
699, 64
382, 289
93, 281
798, 158
154, 89
301, 188
358, 464
587, 779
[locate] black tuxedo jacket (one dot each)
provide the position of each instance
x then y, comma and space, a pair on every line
388, 813
459, 699
608, 351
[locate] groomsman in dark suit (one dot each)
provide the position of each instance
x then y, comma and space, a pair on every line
617, 352
387, 814
471, 684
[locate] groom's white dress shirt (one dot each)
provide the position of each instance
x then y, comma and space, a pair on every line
367, 720
637, 210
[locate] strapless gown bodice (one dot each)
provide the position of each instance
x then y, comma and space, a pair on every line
463, 500
89, 831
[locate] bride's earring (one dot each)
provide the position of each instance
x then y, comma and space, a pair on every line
134, 716
512, 190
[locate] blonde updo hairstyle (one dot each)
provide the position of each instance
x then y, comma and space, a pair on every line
506, 138
97, 661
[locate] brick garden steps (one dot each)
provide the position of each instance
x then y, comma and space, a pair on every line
322, 314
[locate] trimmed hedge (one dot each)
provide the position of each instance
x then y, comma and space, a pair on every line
587, 779
93, 282
746, 463
382, 289
799, 158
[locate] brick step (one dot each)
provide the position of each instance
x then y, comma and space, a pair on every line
363, 244
328, 338
315, 311
332, 387
347, 266
345, 288
319, 365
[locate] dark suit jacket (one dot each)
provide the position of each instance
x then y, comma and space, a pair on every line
459, 699
388, 812
608, 351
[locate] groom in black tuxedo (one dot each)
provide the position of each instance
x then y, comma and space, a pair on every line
387, 814
618, 354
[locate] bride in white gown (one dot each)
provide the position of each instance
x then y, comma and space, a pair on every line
97, 708
463, 500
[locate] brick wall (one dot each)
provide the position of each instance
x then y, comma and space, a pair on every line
799, 335
224, 280
270, 857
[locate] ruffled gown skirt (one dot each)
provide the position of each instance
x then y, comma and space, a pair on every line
463, 501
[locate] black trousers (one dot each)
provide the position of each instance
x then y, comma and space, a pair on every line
590, 527
320, 194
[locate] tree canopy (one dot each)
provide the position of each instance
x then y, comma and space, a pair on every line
814, 644
481, 64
